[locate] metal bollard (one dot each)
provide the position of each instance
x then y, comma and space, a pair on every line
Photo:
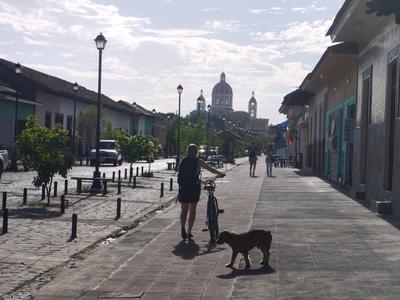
5, 221
142, 170
130, 172
134, 182
171, 184
55, 188
104, 187
79, 185
62, 205
126, 174
104, 175
113, 176
4, 206
65, 186
80, 161
43, 191
118, 208
137, 171
119, 187
119, 174
162, 190
74, 228
25, 196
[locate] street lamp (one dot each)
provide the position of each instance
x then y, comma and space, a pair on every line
154, 120
229, 124
208, 128
166, 139
96, 185
134, 119
223, 120
198, 108
18, 70
76, 87
178, 146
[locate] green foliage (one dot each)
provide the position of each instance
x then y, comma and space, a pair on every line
87, 124
137, 147
44, 150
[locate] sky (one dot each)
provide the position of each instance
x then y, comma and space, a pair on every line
265, 46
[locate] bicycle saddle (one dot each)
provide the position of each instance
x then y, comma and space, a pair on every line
209, 185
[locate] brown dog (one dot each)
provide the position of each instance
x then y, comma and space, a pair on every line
244, 242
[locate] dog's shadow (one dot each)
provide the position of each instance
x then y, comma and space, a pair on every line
264, 270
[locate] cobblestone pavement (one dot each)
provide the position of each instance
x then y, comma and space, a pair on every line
325, 246
152, 262
38, 236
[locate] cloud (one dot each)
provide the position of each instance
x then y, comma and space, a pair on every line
298, 37
271, 11
312, 7
223, 25
29, 41
210, 9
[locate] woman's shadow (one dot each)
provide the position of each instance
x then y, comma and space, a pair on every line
189, 249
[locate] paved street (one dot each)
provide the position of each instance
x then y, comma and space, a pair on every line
325, 246
36, 245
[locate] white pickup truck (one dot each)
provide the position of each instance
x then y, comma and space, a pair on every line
3, 161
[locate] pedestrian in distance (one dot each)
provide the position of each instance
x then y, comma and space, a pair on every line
252, 160
269, 160
189, 180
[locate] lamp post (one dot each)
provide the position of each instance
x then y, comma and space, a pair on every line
166, 139
134, 119
208, 128
229, 124
223, 120
154, 121
178, 146
100, 45
18, 70
76, 87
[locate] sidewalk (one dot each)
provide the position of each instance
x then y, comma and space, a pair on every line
325, 246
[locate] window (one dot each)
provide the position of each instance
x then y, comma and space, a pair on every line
390, 123
47, 119
59, 119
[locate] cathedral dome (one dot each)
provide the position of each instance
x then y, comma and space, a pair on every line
222, 87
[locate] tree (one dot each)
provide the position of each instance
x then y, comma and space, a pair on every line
137, 147
45, 151
87, 121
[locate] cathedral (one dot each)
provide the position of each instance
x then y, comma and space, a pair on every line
222, 106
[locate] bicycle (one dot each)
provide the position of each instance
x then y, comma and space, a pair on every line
212, 211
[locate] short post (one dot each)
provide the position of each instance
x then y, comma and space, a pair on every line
126, 174
79, 185
104, 175
65, 186
62, 205
171, 184
130, 172
5, 221
25, 196
119, 175
4, 206
119, 187
43, 191
74, 226
162, 190
137, 171
55, 188
104, 187
80, 161
142, 170
134, 182
113, 176
118, 208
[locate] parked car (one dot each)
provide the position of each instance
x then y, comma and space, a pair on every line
3, 161
108, 153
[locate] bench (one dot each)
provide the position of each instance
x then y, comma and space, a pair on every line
170, 166
80, 179
216, 162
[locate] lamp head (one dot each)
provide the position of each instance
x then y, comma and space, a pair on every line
18, 68
76, 86
179, 89
100, 41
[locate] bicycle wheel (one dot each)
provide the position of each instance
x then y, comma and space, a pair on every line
212, 214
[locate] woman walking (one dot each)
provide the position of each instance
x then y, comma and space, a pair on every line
269, 160
252, 160
189, 187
